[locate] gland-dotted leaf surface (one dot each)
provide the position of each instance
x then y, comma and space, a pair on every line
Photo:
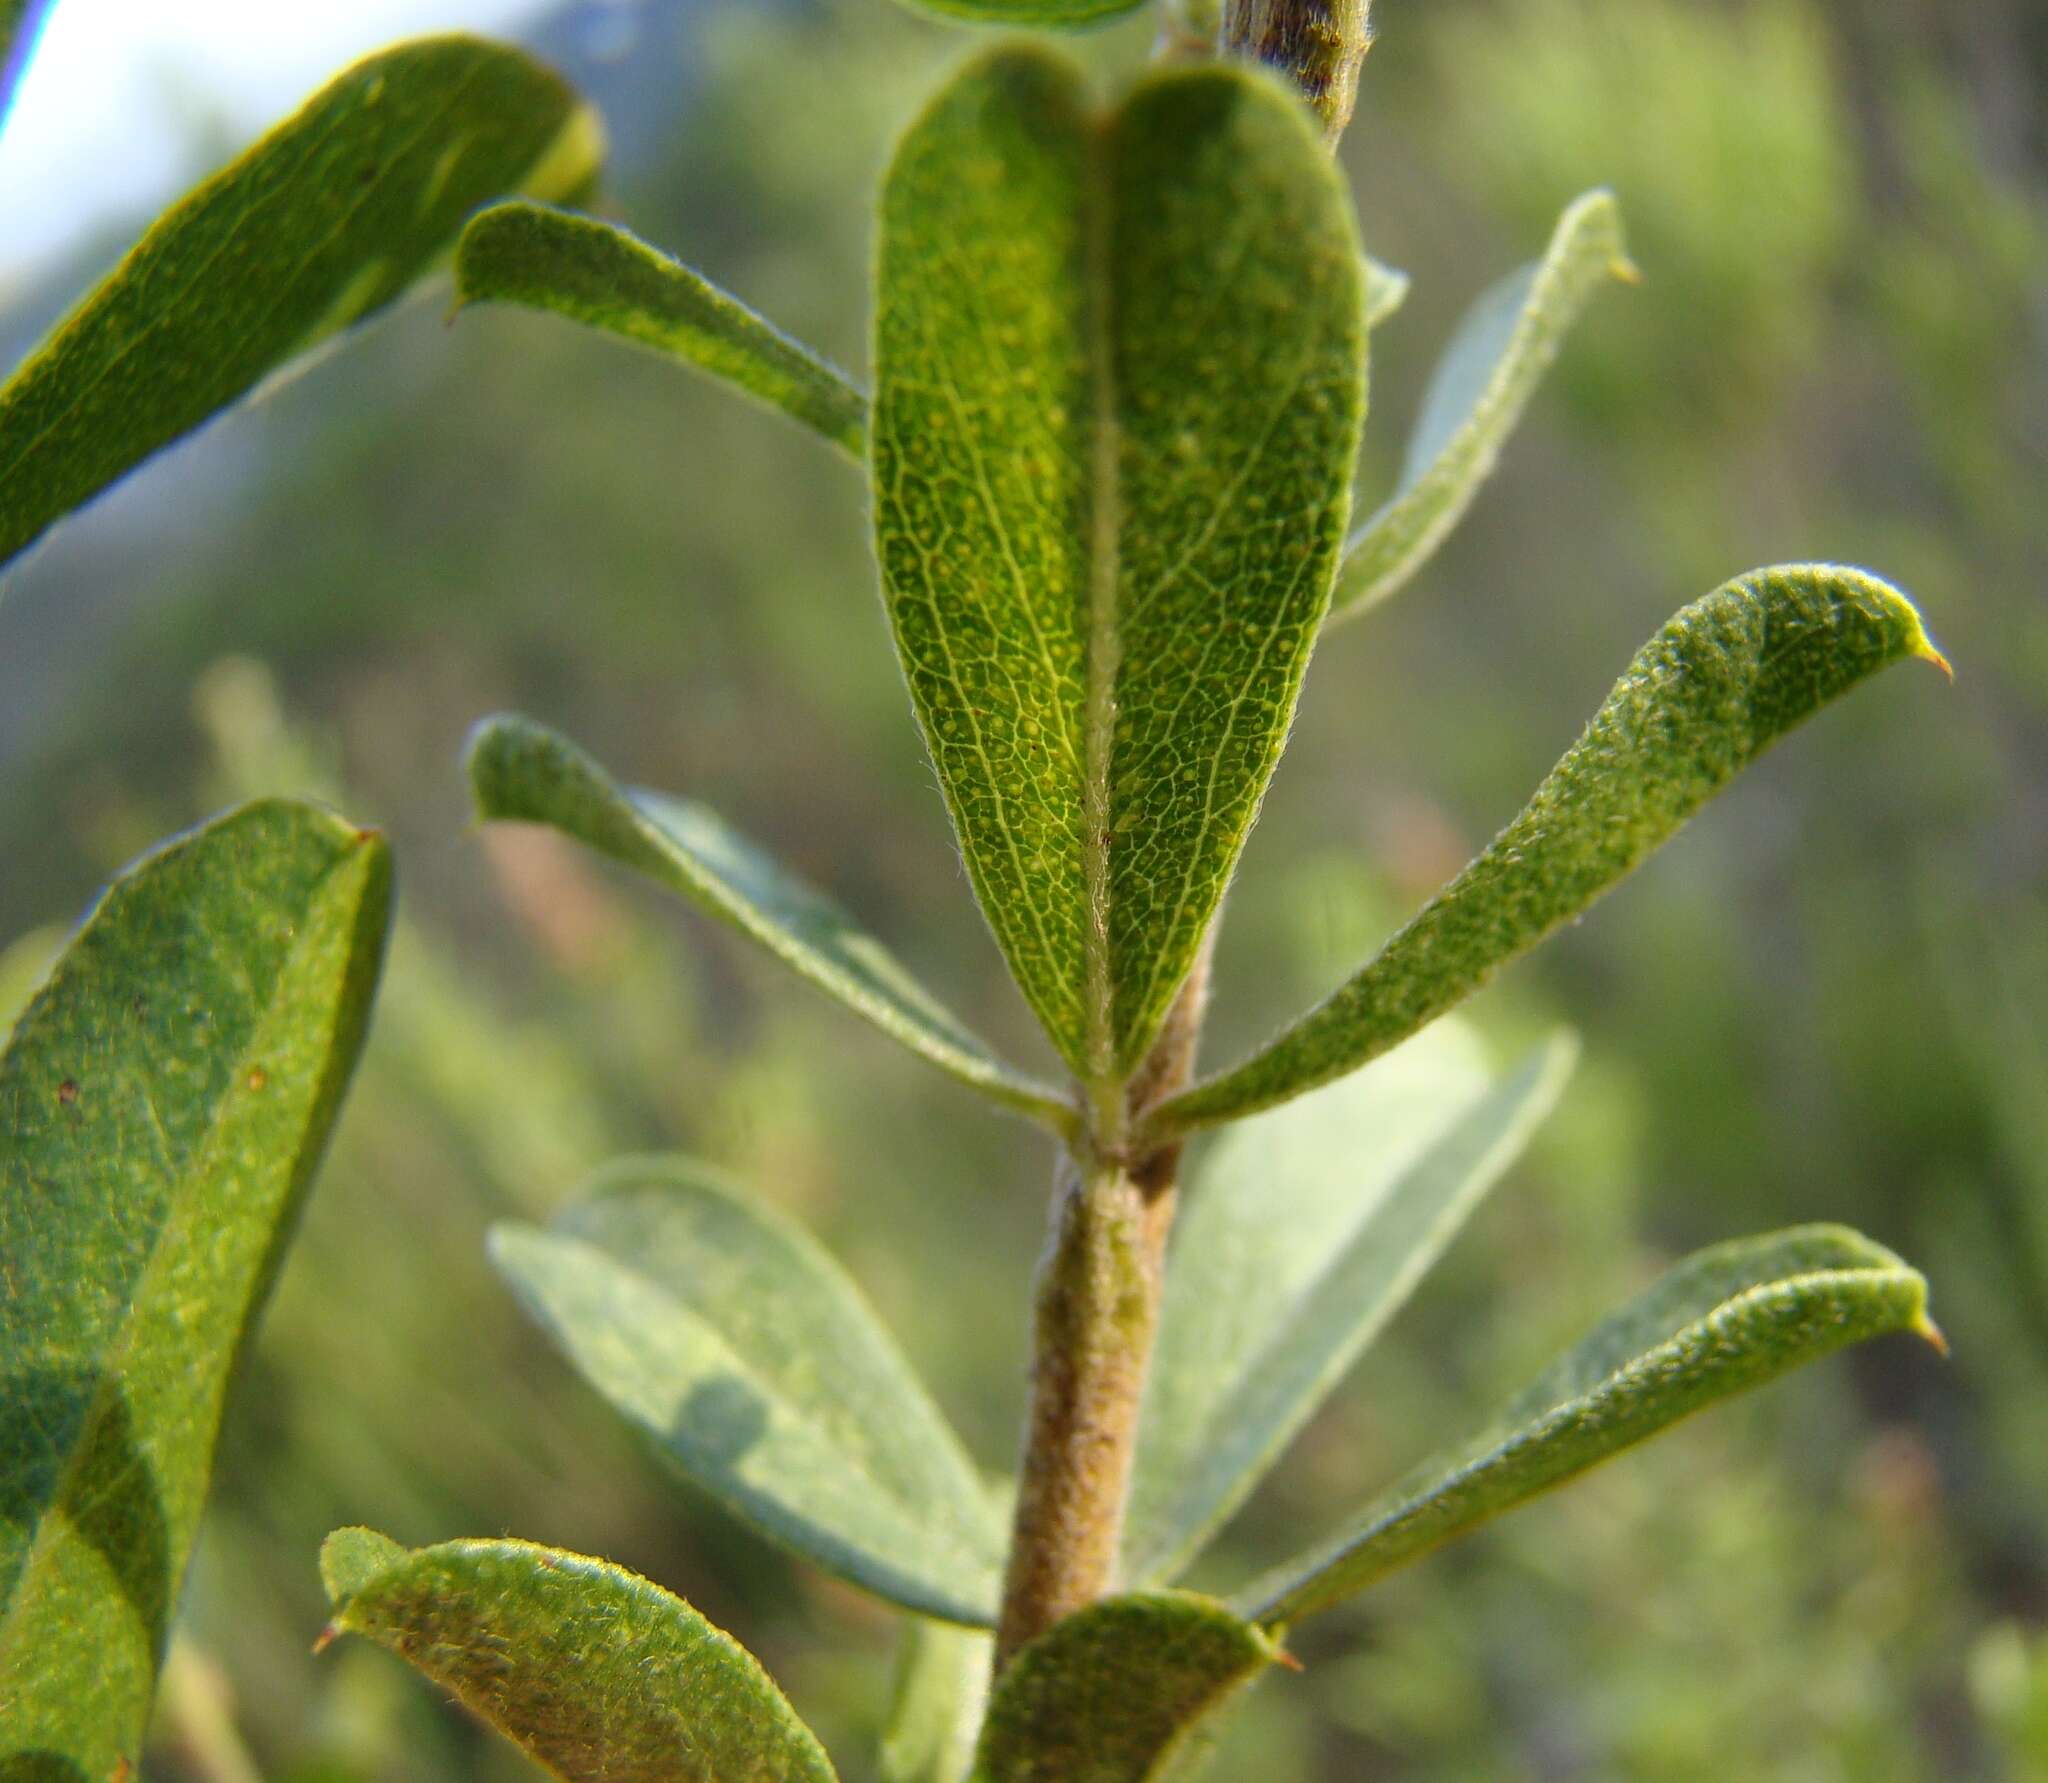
322, 223
1119, 380
576, 266
1116, 1693
521, 772
600, 1675
163, 1101
732, 1340
1725, 1320
1306, 1231
1726, 678
1498, 356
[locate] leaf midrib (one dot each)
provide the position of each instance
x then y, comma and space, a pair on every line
58, 1508
914, 1518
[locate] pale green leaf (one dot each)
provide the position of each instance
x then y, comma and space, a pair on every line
1115, 1692
728, 1337
323, 222
1306, 1231
1702, 700
1724, 1320
1386, 290
935, 1707
593, 1671
521, 772
586, 270
1119, 379
163, 1101
1498, 356
1056, 14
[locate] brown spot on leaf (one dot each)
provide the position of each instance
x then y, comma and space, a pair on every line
258, 1077
67, 1091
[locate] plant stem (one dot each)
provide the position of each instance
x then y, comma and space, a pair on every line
1096, 1315
1316, 44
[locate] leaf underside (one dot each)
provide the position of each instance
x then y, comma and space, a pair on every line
1703, 699
1725, 1320
936, 1704
1497, 357
593, 1671
521, 772
1306, 1231
323, 222
163, 1101
1115, 1692
1119, 381
731, 1340
590, 272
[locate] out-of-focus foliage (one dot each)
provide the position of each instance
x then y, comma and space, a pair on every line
1836, 352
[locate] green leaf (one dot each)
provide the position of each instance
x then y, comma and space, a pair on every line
598, 1674
1498, 356
1114, 1693
323, 222
1724, 1320
592, 273
730, 1338
1054, 14
935, 1707
1386, 290
163, 1102
1306, 1231
521, 772
1702, 700
1119, 379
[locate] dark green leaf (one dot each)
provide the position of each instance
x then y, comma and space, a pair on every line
592, 273
1703, 699
163, 1102
1725, 1320
1306, 1231
1488, 373
521, 772
741, 1349
323, 222
935, 1708
1114, 1693
1118, 389
1057, 14
593, 1671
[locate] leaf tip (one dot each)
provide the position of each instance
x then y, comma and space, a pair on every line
326, 1638
1924, 1328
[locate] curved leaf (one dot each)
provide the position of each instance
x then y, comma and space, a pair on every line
1113, 1693
1386, 290
1119, 378
321, 223
593, 1671
935, 1708
728, 1336
1306, 1231
522, 772
586, 270
1702, 700
1057, 14
1498, 356
163, 1102
1725, 1320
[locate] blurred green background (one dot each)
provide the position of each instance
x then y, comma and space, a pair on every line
1828, 1000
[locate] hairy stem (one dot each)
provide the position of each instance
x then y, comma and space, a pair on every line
1316, 44
1096, 1314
